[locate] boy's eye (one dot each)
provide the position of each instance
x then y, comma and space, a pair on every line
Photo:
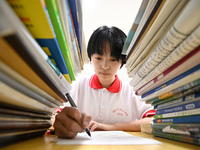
113, 59
98, 58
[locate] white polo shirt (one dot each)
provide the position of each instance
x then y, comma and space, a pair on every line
117, 103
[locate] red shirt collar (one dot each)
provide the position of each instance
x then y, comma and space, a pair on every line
114, 88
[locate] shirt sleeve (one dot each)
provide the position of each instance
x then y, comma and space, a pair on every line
149, 113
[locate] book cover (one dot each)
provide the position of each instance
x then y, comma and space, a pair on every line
39, 25
55, 19
179, 67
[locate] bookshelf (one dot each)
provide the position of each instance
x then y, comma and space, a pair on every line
33, 86
163, 62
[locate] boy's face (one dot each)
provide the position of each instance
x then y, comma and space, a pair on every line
105, 66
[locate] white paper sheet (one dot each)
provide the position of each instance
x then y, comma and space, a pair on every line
107, 138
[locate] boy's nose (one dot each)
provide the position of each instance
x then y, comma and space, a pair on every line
105, 65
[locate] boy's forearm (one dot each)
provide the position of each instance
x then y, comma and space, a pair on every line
131, 126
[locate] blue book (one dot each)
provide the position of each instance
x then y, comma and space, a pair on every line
75, 16
187, 106
188, 119
190, 71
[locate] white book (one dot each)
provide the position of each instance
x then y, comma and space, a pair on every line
183, 26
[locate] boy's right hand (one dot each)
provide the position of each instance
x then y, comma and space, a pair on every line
69, 122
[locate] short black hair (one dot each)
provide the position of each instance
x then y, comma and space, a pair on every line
114, 36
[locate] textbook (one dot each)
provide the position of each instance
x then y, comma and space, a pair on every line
187, 119
177, 78
40, 27
177, 137
69, 33
176, 34
178, 101
164, 20
55, 19
177, 87
177, 96
188, 106
28, 78
179, 67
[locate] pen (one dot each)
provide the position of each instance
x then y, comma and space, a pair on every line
74, 105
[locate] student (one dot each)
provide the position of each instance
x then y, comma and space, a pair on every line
110, 103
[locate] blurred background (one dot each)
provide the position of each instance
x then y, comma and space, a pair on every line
119, 13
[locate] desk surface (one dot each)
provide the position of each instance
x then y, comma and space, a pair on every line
44, 143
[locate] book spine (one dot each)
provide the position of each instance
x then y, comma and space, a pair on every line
177, 87
176, 96
178, 114
53, 13
188, 45
187, 98
179, 108
187, 119
41, 29
177, 137
75, 17
172, 80
171, 69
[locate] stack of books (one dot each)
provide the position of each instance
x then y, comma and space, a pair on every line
38, 62
163, 61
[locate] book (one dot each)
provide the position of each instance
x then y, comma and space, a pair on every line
11, 111
177, 96
32, 53
178, 114
134, 25
55, 19
152, 10
181, 85
29, 77
17, 136
72, 29
65, 18
187, 46
23, 89
187, 119
41, 29
179, 67
178, 101
187, 129
176, 34
9, 95
76, 19
163, 22
177, 78
187, 106
177, 137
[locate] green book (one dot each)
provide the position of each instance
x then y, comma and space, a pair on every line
53, 13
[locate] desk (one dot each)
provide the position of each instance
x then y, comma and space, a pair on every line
43, 143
